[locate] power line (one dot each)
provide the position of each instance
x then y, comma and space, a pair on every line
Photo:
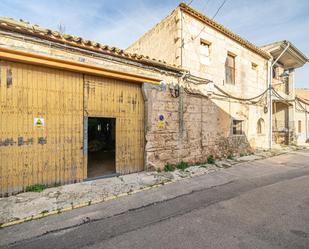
190, 2
220, 7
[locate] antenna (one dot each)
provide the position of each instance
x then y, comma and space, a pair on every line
61, 28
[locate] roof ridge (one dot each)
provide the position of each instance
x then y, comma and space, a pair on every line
21, 26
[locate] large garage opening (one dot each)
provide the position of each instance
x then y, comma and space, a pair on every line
101, 146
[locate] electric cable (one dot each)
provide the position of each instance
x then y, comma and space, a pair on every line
305, 101
220, 7
253, 100
218, 10
238, 98
190, 2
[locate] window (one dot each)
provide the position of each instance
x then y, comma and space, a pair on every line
204, 51
299, 126
260, 129
254, 66
237, 127
274, 72
230, 69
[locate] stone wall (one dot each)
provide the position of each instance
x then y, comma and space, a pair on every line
162, 41
192, 128
250, 68
302, 120
248, 81
302, 136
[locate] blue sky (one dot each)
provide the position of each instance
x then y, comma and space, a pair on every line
119, 23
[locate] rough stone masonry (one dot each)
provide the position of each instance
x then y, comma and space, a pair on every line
186, 128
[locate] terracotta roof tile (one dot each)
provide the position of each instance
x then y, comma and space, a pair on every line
35, 30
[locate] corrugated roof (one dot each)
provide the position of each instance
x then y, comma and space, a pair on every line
47, 34
195, 13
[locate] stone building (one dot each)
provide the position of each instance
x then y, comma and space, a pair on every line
301, 115
239, 70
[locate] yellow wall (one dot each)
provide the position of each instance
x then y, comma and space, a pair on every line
54, 153
56, 96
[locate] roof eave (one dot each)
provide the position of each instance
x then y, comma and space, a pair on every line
278, 47
24, 28
206, 20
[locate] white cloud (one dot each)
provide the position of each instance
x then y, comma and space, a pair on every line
119, 23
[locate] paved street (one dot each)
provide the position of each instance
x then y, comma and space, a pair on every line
260, 204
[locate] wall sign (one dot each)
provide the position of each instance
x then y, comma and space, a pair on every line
39, 123
161, 122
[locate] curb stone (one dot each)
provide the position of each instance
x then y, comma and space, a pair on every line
79, 205
113, 197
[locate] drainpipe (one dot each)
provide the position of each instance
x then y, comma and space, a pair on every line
270, 106
181, 39
306, 123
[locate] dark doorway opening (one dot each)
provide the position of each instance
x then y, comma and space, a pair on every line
101, 146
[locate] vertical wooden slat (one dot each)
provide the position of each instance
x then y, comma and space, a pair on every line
60, 98
123, 101
56, 96
1, 129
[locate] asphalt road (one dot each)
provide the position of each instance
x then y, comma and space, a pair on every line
264, 204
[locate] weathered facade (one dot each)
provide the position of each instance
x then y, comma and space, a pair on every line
52, 88
240, 71
206, 49
302, 115
61, 96
194, 128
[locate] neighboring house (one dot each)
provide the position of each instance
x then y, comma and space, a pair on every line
208, 50
302, 115
284, 122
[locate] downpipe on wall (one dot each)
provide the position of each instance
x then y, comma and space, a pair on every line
270, 106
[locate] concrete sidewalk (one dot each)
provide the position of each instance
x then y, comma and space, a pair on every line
252, 173
32, 205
